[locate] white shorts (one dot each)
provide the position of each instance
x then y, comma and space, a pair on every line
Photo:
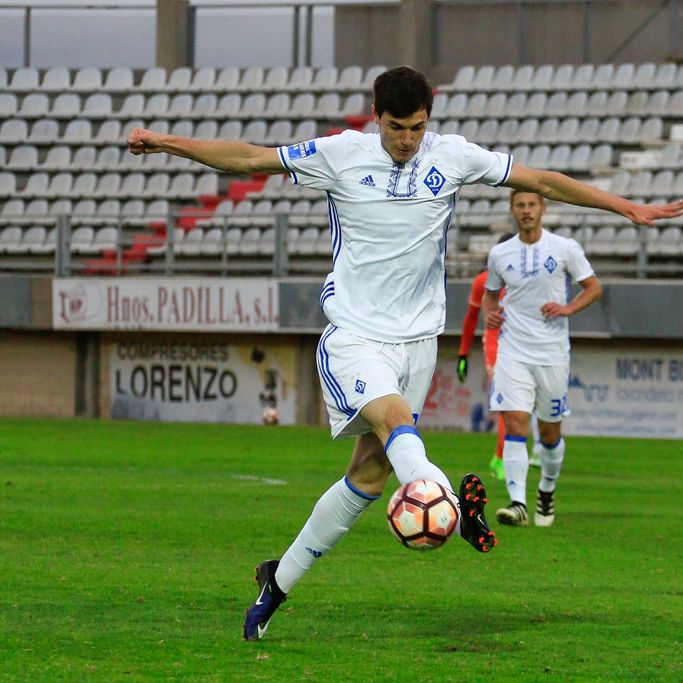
354, 371
526, 387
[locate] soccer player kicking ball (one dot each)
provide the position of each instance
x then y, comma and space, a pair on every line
532, 372
390, 199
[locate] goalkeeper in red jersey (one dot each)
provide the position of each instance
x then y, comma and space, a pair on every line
490, 344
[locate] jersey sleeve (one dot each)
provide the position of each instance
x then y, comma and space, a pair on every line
494, 282
578, 266
483, 166
314, 163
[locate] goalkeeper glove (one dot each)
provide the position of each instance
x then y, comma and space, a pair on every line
462, 369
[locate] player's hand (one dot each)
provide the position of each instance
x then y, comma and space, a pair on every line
554, 310
647, 214
495, 319
462, 368
143, 141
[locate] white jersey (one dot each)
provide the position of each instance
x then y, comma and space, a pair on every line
388, 222
533, 275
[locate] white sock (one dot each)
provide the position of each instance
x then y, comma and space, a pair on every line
516, 463
407, 455
551, 464
333, 515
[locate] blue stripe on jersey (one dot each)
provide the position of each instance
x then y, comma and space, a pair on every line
325, 372
335, 227
328, 291
567, 286
283, 161
507, 171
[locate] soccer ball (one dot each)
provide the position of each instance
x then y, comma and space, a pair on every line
423, 514
270, 416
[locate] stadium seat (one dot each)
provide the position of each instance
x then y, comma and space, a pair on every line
253, 106
302, 106
84, 185
153, 80
179, 80
227, 79
97, 106
66, 106
275, 80
8, 184
78, 131
32, 238
190, 244
182, 128
107, 212
8, 105
10, 239
627, 241
180, 105
119, 80
84, 158
300, 79
255, 132
229, 105
133, 105
370, 76
350, 79
47, 246
325, 78
83, 211
23, 158
34, 106
36, 186
205, 105
24, 79
212, 242
483, 78
156, 105
87, 80
277, 106
546, 77
206, 130
105, 238
644, 76
11, 210
108, 158
43, 131
203, 80
82, 240
623, 77
56, 79
251, 79
60, 185
108, 185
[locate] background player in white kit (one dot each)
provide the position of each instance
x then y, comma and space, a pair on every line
532, 370
391, 196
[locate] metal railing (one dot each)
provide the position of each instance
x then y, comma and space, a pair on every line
149, 253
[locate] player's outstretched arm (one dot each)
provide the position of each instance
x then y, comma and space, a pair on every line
557, 186
238, 158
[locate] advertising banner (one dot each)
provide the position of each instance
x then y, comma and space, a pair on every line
611, 392
625, 393
201, 381
179, 304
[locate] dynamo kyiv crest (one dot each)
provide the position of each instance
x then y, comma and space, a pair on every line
434, 180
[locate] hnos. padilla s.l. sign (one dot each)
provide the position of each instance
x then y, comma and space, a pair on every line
191, 304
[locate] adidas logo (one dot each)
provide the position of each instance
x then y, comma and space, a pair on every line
509, 268
368, 181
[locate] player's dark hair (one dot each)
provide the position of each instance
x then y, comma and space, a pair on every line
401, 92
505, 237
516, 192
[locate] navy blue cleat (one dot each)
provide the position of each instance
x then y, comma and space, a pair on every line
473, 526
270, 597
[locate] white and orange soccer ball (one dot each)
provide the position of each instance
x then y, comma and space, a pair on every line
270, 416
423, 514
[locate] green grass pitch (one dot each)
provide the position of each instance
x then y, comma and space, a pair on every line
127, 554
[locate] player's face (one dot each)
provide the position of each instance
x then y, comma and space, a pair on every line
401, 137
527, 210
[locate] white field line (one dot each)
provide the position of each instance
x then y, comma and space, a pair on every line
260, 480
